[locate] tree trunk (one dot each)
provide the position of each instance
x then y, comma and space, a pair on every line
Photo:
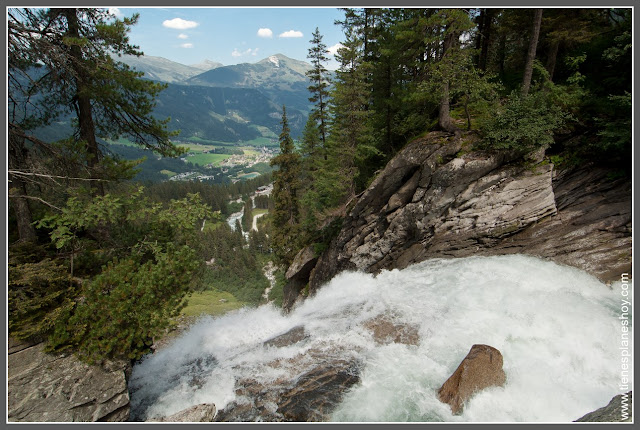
531, 54
17, 188
20, 205
486, 39
83, 103
551, 61
502, 54
444, 117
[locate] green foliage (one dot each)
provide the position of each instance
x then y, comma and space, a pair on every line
286, 185
523, 124
123, 308
615, 131
149, 256
247, 216
39, 289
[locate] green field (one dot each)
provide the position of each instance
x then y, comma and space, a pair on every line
204, 159
209, 303
250, 175
257, 211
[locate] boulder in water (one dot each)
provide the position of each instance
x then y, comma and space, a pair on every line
481, 368
385, 331
291, 337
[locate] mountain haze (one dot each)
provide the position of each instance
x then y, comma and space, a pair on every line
161, 69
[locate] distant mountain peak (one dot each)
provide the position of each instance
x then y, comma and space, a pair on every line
206, 65
275, 60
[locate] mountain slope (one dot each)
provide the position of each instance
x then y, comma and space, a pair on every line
161, 69
279, 77
275, 72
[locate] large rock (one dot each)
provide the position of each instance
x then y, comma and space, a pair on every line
385, 331
480, 369
437, 199
619, 409
297, 275
58, 387
202, 413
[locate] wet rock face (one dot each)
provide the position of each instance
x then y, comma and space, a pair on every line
311, 384
619, 409
309, 397
481, 368
291, 337
317, 392
58, 387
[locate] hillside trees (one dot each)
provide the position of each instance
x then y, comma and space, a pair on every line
286, 186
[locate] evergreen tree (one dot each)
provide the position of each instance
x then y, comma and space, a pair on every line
319, 84
61, 62
352, 142
247, 216
286, 185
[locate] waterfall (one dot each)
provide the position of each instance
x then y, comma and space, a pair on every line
556, 326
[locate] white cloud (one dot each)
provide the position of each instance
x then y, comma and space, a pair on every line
182, 36
115, 12
333, 50
187, 45
252, 52
265, 32
292, 33
179, 24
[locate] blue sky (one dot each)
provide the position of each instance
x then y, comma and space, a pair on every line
231, 35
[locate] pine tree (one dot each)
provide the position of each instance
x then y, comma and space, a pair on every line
319, 84
286, 185
61, 62
352, 142
247, 216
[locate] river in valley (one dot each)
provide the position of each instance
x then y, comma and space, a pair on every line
557, 327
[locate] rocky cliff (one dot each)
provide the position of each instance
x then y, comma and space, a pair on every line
438, 198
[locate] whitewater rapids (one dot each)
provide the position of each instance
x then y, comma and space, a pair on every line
557, 327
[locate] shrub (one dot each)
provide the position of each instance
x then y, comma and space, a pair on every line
523, 124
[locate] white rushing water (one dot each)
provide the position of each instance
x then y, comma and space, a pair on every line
557, 328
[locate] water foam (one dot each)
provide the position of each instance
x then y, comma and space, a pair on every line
556, 327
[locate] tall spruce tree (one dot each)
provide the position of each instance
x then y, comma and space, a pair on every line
318, 75
286, 186
352, 141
